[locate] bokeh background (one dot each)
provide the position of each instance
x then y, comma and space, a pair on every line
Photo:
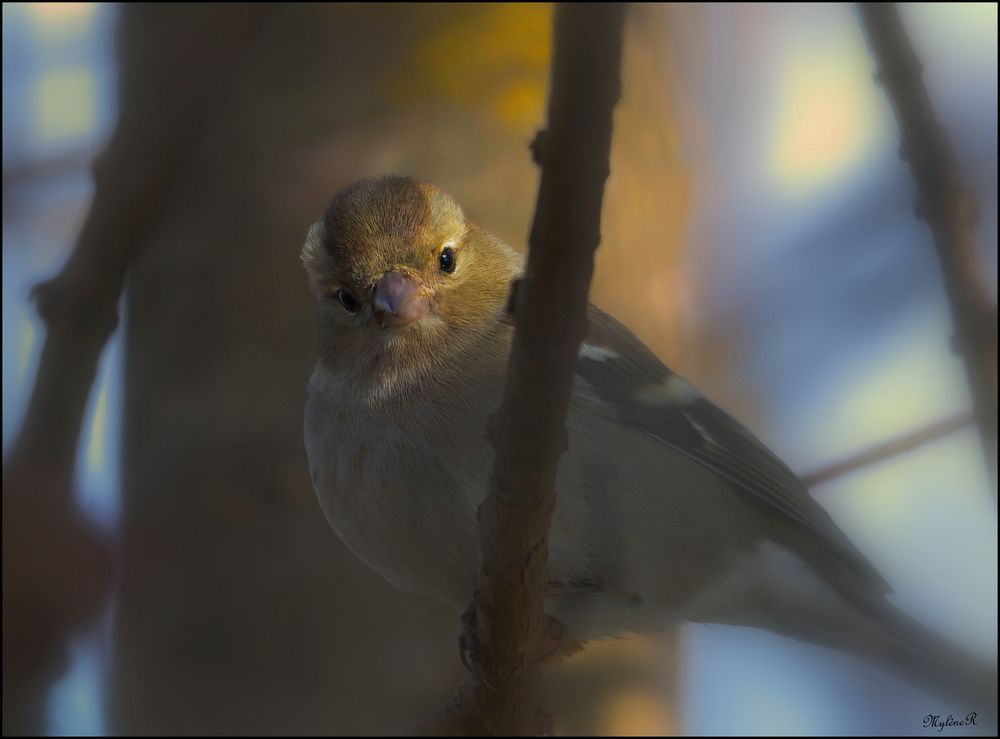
759, 235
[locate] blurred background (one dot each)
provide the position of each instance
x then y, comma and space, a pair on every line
758, 234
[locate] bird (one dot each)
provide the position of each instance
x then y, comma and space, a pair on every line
668, 509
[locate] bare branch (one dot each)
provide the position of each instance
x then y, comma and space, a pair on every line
887, 449
529, 430
949, 210
57, 570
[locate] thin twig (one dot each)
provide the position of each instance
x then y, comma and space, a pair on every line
949, 210
529, 430
888, 449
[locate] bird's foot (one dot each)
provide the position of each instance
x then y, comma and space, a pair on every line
556, 644
469, 647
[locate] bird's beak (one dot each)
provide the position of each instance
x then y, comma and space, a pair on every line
399, 300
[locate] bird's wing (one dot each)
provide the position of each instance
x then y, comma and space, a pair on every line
643, 393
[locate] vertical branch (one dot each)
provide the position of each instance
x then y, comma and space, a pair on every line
529, 434
529, 430
949, 210
56, 568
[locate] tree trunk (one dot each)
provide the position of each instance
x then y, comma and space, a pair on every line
239, 610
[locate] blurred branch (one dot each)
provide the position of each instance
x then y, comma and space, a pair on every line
57, 570
529, 430
21, 177
888, 449
37, 170
949, 210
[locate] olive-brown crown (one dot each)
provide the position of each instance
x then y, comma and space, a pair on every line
398, 224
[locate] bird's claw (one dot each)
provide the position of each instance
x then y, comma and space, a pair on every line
469, 648
554, 639
556, 643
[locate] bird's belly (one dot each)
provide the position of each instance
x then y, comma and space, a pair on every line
632, 518
395, 509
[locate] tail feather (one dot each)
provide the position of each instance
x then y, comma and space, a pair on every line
900, 642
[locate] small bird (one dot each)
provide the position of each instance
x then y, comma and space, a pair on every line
668, 509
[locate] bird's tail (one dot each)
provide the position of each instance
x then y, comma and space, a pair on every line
906, 646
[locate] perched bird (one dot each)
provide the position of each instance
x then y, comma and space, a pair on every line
668, 509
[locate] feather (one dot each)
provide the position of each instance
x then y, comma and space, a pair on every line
646, 395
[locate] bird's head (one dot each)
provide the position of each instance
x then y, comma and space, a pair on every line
403, 280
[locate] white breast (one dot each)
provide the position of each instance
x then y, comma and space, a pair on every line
386, 495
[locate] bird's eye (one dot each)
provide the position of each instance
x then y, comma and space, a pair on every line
447, 260
347, 300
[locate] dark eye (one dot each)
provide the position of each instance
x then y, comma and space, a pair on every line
348, 301
447, 260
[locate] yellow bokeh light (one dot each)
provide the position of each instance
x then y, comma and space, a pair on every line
493, 57
25, 345
982, 15
61, 17
915, 382
64, 103
977, 22
635, 713
825, 115
98, 429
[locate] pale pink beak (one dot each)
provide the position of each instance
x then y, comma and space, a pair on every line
399, 300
